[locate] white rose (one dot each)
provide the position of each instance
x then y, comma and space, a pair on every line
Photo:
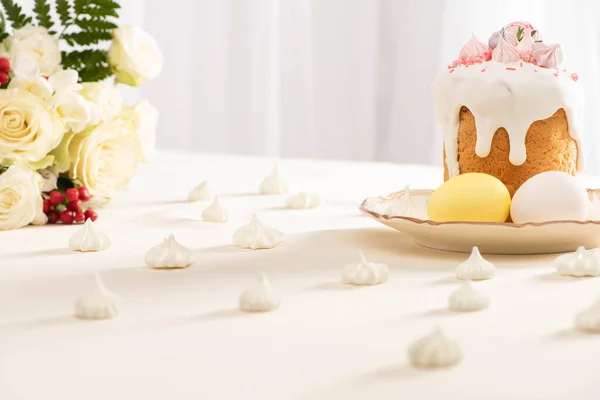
38, 44
104, 158
28, 130
106, 98
73, 109
20, 197
26, 76
134, 55
141, 119
50, 179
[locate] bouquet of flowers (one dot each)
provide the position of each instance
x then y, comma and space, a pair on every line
68, 143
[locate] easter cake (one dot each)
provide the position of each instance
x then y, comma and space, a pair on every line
508, 109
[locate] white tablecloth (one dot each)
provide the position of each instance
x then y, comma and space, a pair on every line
180, 335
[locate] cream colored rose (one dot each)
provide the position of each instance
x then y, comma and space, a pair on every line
106, 98
28, 130
20, 197
141, 119
104, 158
134, 55
35, 42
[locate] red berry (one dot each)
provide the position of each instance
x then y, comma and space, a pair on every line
4, 65
47, 206
72, 194
84, 194
79, 217
91, 214
67, 217
53, 216
74, 205
3, 78
56, 197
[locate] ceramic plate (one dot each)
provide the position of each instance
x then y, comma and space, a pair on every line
491, 238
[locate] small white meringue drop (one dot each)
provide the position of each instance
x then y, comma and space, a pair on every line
215, 212
256, 235
365, 272
100, 303
588, 320
579, 264
435, 351
202, 192
468, 298
475, 268
88, 238
260, 298
274, 183
594, 209
170, 254
303, 200
405, 206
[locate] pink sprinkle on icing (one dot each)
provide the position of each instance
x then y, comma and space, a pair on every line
555, 74
521, 64
575, 77
483, 70
510, 69
451, 71
564, 70
535, 70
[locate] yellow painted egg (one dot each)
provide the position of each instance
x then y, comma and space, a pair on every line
472, 197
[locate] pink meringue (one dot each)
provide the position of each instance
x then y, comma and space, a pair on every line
495, 38
474, 51
525, 46
505, 53
547, 56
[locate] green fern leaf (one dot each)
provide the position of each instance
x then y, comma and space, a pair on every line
15, 14
95, 24
3, 30
64, 11
92, 64
86, 38
42, 13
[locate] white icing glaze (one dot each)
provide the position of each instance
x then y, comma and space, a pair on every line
405, 206
88, 238
261, 298
588, 320
498, 97
170, 254
434, 351
475, 267
580, 263
100, 303
215, 212
365, 272
468, 298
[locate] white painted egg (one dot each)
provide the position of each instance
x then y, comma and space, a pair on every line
550, 196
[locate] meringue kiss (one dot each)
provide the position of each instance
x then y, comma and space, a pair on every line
88, 238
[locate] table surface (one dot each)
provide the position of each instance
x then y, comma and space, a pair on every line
180, 335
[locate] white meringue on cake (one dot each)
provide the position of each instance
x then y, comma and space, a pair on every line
475, 268
434, 351
274, 183
202, 192
589, 319
170, 254
303, 200
405, 206
580, 263
256, 235
365, 272
100, 303
594, 209
468, 298
261, 298
215, 212
88, 238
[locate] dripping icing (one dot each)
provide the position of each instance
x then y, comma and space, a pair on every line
503, 98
